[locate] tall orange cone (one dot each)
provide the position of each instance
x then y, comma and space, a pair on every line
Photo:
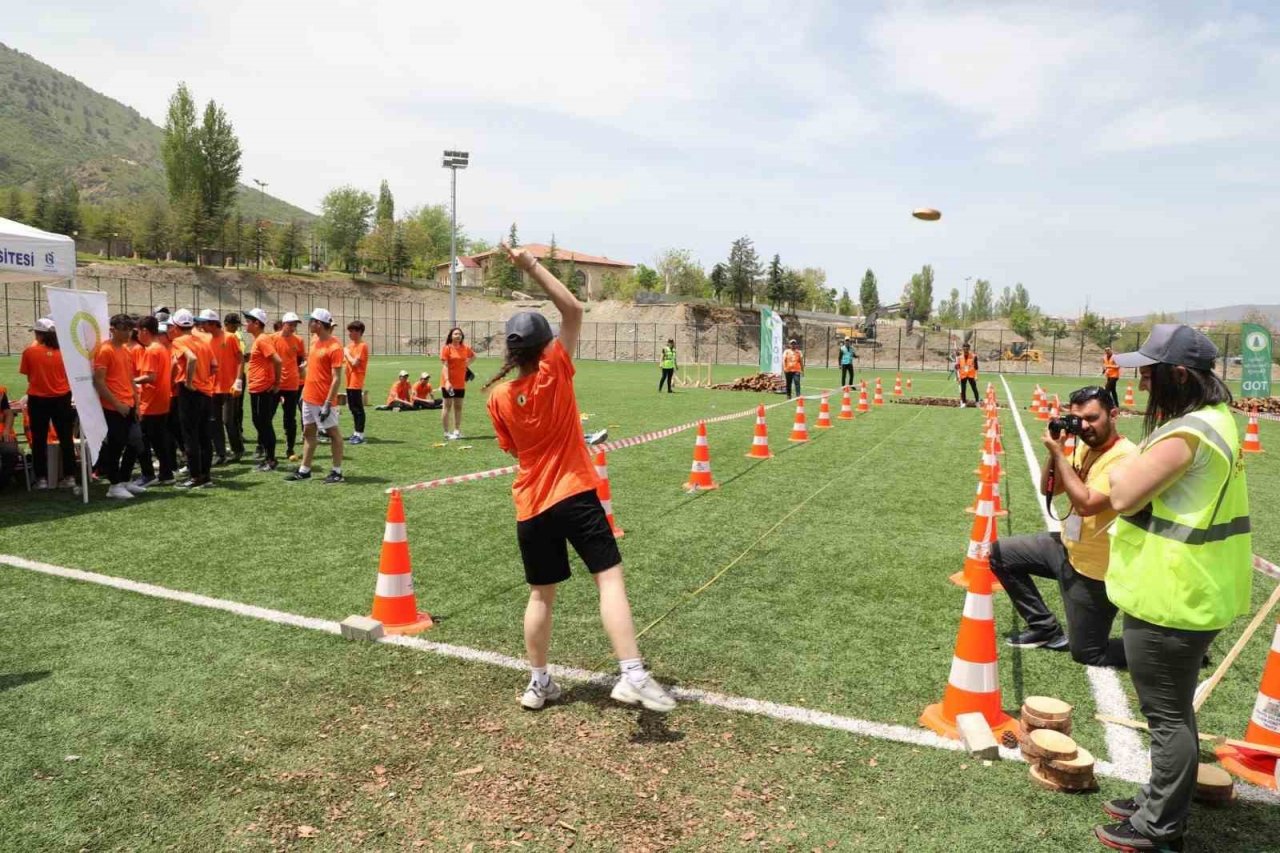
824, 414
1264, 727
1069, 446
605, 494
897, 385
760, 442
1128, 396
1042, 414
1055, 411
1035, 401
846, 406
799, 429
974, 682
394, 602
700, 474
908, 383
878, 400
977, 560
1252, 440
863, 408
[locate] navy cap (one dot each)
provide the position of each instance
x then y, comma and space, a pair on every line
528, 330
1172, 343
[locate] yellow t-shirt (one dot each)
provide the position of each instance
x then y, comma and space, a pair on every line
1087, 540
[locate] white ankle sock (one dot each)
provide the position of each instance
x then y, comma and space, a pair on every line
633, 669
540, 676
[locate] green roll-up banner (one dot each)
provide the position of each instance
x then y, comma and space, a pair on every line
1255, 379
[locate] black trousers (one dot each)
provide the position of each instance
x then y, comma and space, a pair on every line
232, 415
56, 410
175, 428
793, 379
418, 405
219, 427
262, 408
289, 401
970, 383
1090, 614
197, 431
667, 373
117, 456
846, 374
1111, 389
355, 402
155, 429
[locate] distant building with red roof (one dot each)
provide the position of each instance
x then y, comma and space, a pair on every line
588, 271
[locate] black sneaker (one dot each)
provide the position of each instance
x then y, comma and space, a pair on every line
1033, 639
298, 475
1122, 836
188, 484
1121, 809
334, 477
220, 461
267, 466
205, 483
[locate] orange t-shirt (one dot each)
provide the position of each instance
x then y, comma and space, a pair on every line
422, 389
230, 358
326, 357
792, 361
355, 375
261, 371
399, 391
536, 417
454, 357
1110, 368
118, 364
155, 396
167, 343
291, 350
45, 372
204, 380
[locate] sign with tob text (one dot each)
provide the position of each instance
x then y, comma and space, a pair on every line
1255, 352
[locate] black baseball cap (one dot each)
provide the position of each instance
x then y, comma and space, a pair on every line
1172, 343
528, 330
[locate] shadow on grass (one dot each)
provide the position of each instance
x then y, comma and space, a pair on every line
466, 607
651, 727
17, 679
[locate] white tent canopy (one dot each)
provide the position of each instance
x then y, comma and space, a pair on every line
29, 254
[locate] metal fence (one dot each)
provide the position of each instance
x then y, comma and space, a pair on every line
407, 328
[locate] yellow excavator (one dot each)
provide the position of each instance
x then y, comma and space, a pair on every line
1019, 351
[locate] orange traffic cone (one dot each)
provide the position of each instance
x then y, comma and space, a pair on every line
908, 383
700, 474
863, 408
760, 443
993, 432
1264, 728
1069, 446
1128, 396
879, 398
800, 429
974, 682
824, 414
605, 494
982, 536
1252, 441
989, 471
897, 385
1043, 413
1035, 401
846, 406
394, 603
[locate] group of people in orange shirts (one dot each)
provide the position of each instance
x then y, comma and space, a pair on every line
456, 357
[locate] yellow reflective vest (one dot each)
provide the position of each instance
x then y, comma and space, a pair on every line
1184, 560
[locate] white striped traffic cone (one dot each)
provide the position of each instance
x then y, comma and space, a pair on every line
606, 494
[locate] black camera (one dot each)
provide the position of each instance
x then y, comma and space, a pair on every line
1070, 424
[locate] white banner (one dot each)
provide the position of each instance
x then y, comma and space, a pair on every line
29, 253
80, 317
770, 341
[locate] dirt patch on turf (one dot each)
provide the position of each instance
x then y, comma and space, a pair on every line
942, 402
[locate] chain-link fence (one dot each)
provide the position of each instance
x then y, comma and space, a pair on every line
406, 327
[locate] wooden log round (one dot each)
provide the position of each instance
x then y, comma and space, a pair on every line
1214, 785
1048, 745
1081, 765
1031, 722
1047, 708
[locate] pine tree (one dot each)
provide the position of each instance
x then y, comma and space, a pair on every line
180, 148
743, 269
155, 230
719, 280
386, 210
845, 305
289, 246
108, 229
64, 214
42, 206
775, 286
792, 288
218, 170
400, 257
552, 260
869, 293
14, 208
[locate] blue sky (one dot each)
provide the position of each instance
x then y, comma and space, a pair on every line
1123, 153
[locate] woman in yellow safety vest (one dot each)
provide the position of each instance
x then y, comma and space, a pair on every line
668, 365
1179, 568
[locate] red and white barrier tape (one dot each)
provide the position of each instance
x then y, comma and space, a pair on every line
1266, 567
606, 447
1262, 416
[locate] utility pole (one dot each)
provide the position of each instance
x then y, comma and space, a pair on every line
453, 161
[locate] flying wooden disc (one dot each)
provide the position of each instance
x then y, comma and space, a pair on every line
927, 213
1048, 745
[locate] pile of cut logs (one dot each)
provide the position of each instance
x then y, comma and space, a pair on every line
1265, 405
759, 382
948, 402
1057, 762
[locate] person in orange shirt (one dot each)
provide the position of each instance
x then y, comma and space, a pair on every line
231, 385
422, 398
456, 357
1111, 370
967, 374
154, 378
536, 420
209, 327
319, 394
398, 397
357, 356
293, 355
48, 401
195, 371
792, 366
113, 380
264, 372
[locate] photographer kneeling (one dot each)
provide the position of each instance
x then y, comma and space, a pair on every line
1076, 558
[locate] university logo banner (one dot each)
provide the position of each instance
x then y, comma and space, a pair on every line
1255, 357
770, 341
80, 318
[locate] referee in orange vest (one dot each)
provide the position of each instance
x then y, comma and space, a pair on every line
967, 373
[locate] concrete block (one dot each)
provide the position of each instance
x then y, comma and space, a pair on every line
977, 736
361, 628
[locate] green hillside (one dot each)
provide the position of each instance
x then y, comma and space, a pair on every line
53, 125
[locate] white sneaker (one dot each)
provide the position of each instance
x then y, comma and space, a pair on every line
67, 483
649, 694
536, 695
119, 492
456, 434
135, 488
41, 484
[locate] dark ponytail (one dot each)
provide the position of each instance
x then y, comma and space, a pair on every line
513, 359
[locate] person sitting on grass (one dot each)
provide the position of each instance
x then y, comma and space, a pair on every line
535, 417
398, 398
422, 398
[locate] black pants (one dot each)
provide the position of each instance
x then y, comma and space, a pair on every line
289, 401
1111, 389
197, 431
117, 456
1165, 664
1089, 612
667, 373
174, 423
262, 408
155, 429
232, 414
846, 374
970, 383
355, 402
793, 379
427, 404
56, 410
219, 428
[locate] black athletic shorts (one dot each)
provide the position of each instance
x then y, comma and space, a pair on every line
579, 521
454, 394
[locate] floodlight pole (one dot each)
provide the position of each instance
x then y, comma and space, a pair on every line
453, 161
